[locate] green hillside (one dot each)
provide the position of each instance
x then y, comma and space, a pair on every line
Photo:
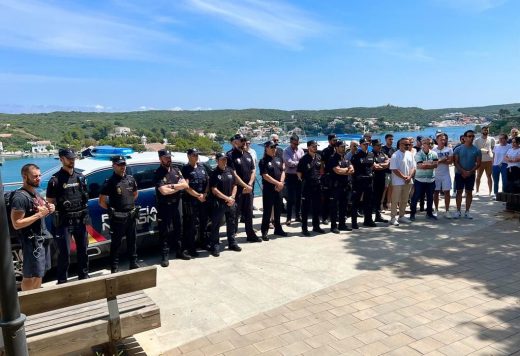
82, 128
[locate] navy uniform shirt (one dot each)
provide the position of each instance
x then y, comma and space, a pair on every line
69, 191
338, 161
363, 163
223, 180
241, 162
120, 191
197, 178
380, 157
164, 177
327, 153
310, 169
271, 166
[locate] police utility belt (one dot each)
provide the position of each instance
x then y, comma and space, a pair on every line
70, 217
123, 216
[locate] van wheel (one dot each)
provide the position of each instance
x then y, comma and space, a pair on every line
18, 265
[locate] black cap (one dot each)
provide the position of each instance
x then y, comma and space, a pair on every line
220, 155
192, 151
340, 143
270, 143
311, 142
118, 159
419, 138
367, 134
363, 140
238, 136
376, 142
67, 153
295, 138
331, 136
164, 153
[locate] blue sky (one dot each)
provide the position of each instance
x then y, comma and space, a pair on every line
125, 55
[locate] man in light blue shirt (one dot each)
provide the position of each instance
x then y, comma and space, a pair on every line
467, 160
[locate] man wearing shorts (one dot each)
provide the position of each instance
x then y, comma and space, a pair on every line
28, 212
486, 145
467, 160
442, 173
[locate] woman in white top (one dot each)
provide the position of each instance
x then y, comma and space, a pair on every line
513, 163
499, 166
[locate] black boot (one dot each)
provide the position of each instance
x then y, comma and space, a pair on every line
134, 264
165, 258
114, 269
379, 218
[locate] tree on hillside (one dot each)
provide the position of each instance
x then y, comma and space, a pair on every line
503, 113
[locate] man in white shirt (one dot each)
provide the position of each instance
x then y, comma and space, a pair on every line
486, 145
442, 173
402, 165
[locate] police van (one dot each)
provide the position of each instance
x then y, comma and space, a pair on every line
99, 167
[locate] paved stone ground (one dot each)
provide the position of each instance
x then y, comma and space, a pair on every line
457, 298
421, 287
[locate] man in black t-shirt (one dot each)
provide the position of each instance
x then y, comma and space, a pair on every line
243, 167
169, 183
273, 178
118, 195
340, 171
326, 154
309, 171
382, 162
28, 212
223, 185
388, 150
363, 162
194, 203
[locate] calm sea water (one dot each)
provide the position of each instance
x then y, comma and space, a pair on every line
10, 170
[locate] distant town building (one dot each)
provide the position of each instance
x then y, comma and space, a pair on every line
6, 135
40, 146
143, 140
1, 147
122, 131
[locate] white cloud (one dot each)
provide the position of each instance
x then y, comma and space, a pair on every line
99, 107
471, 5
176, 108
45, 27
395, 48
272, 20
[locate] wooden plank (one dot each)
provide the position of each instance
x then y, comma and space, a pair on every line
87, 335
79, 292
85, 310
63, 320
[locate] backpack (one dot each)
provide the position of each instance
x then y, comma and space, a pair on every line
8, 198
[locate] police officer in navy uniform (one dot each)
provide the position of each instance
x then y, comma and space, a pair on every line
363, 162
224, 189
273, 178
118, 195
67, 190
326, 189
340, 171
309, 171
194, 202
381, 164
243, 167
169, 183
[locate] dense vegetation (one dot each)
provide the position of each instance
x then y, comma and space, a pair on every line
80, 129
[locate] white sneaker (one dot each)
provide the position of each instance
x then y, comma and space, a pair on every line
457, 215
405, 220
394, 222
477, 194
448, 215
467, 215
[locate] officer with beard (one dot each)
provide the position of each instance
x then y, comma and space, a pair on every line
67, 190
195, 207
340, 171
326, 154
169, 183
243, 167
363, 162
309, 171
118, 195
382, 162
